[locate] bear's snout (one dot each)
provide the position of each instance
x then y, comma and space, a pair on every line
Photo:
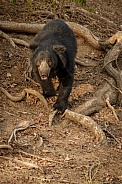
44, 70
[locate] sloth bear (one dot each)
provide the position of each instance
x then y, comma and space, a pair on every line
53, 52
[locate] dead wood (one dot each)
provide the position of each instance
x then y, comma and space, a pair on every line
23, 163
78, 29
111, 107
112, 56
21, 96
87, 122
21, 126
4, 35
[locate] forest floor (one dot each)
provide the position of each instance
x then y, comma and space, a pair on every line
64, 152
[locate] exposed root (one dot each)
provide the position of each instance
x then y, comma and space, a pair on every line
23, 94
4, 35
85, 62
78, 29
112, 56
110, 107
88, 123
20, 42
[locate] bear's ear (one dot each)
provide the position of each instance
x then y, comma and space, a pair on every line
60, 49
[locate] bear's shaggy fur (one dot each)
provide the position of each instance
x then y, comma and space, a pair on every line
53, 52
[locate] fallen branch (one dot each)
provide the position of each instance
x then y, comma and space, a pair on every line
23, 94
78, 29
4, 35
91, 172
87, 122
21, 126
38, 157
111, 108
27, 164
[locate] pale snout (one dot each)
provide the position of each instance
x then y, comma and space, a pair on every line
44, 70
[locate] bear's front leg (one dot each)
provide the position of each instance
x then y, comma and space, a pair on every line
48, 89
64, 92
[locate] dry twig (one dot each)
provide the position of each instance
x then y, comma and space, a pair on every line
26, 164
21, 126
91, 171
111, 107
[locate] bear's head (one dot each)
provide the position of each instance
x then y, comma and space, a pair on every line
47, 60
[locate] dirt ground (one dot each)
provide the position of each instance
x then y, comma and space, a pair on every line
64, 152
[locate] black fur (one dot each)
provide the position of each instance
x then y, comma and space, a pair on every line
57, 41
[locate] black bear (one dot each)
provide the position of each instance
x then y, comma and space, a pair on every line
53, 52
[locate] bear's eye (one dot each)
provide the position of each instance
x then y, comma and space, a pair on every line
49, 62
38, 63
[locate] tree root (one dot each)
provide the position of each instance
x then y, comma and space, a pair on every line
112, 55
23, 94
20, 42
88, 123
78, 29
4, 35
112, 108
97, 102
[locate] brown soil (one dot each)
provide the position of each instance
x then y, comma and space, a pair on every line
69, 153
